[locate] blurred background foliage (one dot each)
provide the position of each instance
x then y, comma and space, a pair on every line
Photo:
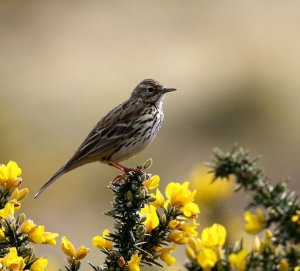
64, 64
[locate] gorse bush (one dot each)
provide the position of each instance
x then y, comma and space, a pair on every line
18, 234
148, 224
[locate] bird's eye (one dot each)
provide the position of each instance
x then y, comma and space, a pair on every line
150, 89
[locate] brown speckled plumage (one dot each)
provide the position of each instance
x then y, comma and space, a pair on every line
123, 132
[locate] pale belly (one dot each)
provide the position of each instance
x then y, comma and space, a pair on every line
134, 145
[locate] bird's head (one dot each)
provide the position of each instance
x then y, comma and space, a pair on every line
150, 90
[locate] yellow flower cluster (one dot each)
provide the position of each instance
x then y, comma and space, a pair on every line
207, 250
21, 257
14, 203
11, 261
178, 196
10, 176
36, 234
10, 180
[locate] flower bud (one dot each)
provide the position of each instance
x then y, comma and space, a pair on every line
151, 199
143, 218
142, 194
163, 219
22, 218
148, 164
129, 195
121, 262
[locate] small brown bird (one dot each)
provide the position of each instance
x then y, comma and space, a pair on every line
123, 132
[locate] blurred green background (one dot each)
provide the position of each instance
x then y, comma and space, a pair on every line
64, 64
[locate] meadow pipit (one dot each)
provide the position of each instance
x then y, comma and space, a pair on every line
123, 132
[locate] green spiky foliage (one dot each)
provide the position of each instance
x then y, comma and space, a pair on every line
279, 203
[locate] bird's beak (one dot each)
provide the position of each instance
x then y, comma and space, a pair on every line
165, 90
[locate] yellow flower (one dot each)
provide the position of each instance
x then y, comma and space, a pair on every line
164, 255
37, 234
190, 228
152, 183
19, 195
152, 220
266, 242
16, 204
50, 238
213, 236
11, 260
184, 230
177, 237
208, 250
134, 263
238, 260
257, 243
255, 222
81, 252
297, 268
28, 226
101, 242
7, 211
39, 265
193, 247
284, 265
159, 199
190, 210
207, 259
174, 224
296, 218
67, 247
9, 172
179, 195
209, 192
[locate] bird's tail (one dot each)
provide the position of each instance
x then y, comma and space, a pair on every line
60, 172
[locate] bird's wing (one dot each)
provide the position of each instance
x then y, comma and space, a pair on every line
105, 139
108, 133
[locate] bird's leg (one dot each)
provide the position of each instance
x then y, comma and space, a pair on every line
123, 168
118, 166
121, 178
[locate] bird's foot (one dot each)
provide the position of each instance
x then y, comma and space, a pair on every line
120, 179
